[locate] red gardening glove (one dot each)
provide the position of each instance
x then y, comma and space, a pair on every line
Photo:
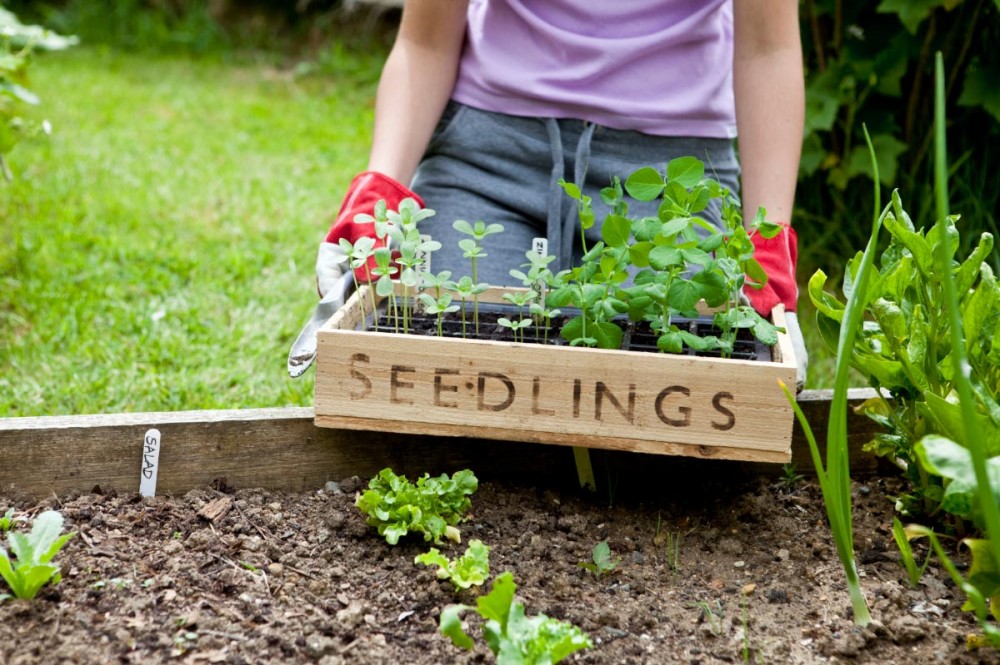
777, 257
365, 191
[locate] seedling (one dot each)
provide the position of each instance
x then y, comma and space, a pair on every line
902, 538
512, 636
472, 249
433, 506
358, 256
8, 520
601, 562
466, 288
32, 568
470, 569
519, 299
439, 307
713, 615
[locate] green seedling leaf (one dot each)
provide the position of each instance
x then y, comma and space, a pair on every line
913, 572
32, 568
451, 626
685, 171
616, 231
646, 184
601, 561
947, 459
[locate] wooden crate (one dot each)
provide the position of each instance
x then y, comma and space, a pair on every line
598, 398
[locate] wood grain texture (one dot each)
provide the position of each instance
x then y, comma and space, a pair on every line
281, 449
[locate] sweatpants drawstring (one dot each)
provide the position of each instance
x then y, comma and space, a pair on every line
559, 229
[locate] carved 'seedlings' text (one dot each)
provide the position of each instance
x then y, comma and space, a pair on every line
495, 391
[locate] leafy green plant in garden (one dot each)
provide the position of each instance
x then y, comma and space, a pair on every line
969, 461
432, 506
32, 567
903, 349
17, 41
470, 569
512, 636
601, 563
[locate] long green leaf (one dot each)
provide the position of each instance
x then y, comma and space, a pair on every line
989, 507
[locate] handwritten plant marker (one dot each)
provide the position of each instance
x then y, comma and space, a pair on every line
150, 463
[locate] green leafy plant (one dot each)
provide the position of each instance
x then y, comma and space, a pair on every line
982, 585
904, 352
470, 569
32, 567
675, 260
17, 42
432, 507
512, 636
601, 562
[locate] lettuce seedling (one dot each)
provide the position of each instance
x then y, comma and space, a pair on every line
433, 506
602, 563
32, 568
8, 520
470, 569
510, 635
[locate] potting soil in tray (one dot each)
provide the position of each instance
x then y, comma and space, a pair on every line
636, 337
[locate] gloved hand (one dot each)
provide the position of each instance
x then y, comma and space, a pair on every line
365, 191
333, 275
777, 256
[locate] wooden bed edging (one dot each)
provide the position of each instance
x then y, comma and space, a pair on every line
281, 449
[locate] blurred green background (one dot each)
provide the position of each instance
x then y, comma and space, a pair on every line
156, 251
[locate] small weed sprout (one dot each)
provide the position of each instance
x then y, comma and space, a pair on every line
472, 249
32, 567
713, 615
902, 537
601, 561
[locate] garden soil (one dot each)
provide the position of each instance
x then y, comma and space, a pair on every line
249, 576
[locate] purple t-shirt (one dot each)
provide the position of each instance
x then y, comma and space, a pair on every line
656, 66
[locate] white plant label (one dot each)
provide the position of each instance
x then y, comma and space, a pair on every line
425, 267
150, 463
540, 246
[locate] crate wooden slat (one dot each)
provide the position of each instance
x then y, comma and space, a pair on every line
599, 398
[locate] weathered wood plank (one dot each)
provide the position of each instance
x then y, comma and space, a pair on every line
282, 449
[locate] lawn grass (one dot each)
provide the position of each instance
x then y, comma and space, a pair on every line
156, 252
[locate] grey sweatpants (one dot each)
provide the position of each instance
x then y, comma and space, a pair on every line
494, 167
